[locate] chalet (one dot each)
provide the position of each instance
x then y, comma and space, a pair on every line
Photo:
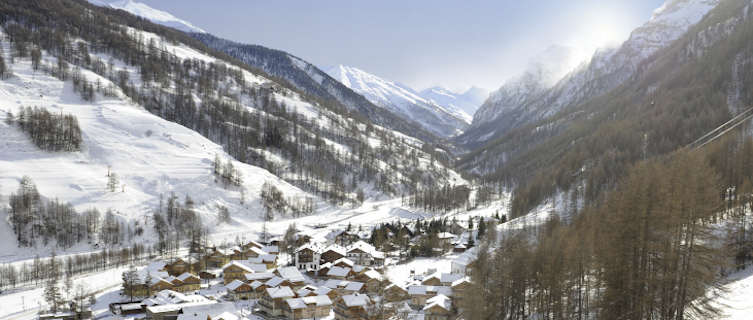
273, 300
252, 244
239, 290
271, 249
217, 258
159, 284
307, 307
420, 294
438, 307
341, 237
171, 311
459, 248
213, 311
177, 267
86, 313
259, 276
267, 259
354, 306
394, 293
324, 269
306, 291
210, 274
332, 253
344, 263
463, 264
236, 269
292, 275
253, 252
307, 257
372, 279
258, 288
459, 288
364, 254
456, 228
340, 273
323, 290
441, 279
445, 239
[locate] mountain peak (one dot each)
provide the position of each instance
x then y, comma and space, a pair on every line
145, 11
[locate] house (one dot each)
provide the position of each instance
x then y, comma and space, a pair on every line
438, 307
364, 254
441, 279
341, 237
273, 300
344, 263
353, 306
340, 273
459, 288
306, 291
276, 282
237, 269
159, 284
258, 288
217, 258
214, 311
86, 313
463, 264
292, 275
307, 307
239, 290
393, 293
420, 294
324, 269
323, 290
332, 253
372, 279
171, 311
445, 239
189, 282
260, 276
252, 244
267, 259
177, 267
307, 257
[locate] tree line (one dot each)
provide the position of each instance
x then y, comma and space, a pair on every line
50, 132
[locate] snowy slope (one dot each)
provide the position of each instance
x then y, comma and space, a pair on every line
157, 16
401, 100
151, 156
465, 103
522, 101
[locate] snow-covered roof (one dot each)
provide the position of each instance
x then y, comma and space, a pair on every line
334, 283
336, 271
295, 303
234, 285
322, 290
209, 311
256, 284
356, 300
346, 261
439, 300
291, 274
373, 274
165, 297
276, 281
423, 290
280, 292
185, 276
444, 277
259, 276
177, 306
319, 300
271, 249
336, 248
354, 286
396, 286
460, 281
244, 265
311, 246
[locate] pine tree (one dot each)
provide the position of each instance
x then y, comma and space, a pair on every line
112, 182
52, 295
130, 280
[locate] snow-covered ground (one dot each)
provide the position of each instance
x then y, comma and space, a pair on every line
737, 302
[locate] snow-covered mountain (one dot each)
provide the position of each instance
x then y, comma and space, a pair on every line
466, 102
157, 16
526, 99
402, 100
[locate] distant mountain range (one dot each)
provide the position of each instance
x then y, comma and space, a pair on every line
149, 13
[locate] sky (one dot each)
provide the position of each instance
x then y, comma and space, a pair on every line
452, 43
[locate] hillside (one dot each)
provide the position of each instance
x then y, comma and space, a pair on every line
158, 108
314, 82
671, 100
